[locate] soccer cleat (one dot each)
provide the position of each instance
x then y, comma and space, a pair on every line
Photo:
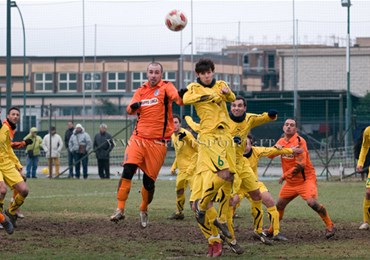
143, 219
200, 215
12, 218
223, 227
210, 250
279, 237
330, 232
262, 238
216, 249
267, 233
177, 216
364, 226
7, 225
1, 226
19, 214
234, 246
117, 216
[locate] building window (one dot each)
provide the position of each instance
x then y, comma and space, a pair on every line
217, 76
227, 79
67, 81
170, 76
187, 78
44, 82
236, 81
138, 79
116, 81
271, 61
92, 81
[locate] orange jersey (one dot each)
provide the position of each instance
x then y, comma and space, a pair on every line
291, 163
154, 117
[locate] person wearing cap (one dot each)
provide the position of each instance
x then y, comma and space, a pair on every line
52, 147
103, 145
33, 152
80, 144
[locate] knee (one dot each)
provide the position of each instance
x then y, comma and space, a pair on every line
313, 204
367, 194
129, 171
24, 192
180, 192
149, 185
255, 195
2, 191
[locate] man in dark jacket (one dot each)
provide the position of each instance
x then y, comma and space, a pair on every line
103, 145
67, 136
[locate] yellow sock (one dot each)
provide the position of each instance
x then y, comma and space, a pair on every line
206, 228
1, 205
274, 219
210, 191
230, 222
223, 211
366, 210
257, 214
180, 201
16, 203
212, 215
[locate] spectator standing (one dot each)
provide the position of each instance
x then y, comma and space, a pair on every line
67, 136
103, 145
33, 152
80, 144
52, 147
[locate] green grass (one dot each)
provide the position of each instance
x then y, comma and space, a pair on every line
68, 219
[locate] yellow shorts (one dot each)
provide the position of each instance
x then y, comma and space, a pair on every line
262, 188
197, 187
183, 179
249, 181
216, 152
11, 176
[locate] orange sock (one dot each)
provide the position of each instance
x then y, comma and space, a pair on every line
324, 216
122, 193
2, 218
146, 198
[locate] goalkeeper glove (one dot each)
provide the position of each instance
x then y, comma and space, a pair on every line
28, 141
181, 136
237, 139
272, 113
135, 105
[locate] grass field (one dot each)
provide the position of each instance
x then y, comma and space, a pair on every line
69, 219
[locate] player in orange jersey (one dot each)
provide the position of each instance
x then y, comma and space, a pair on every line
146, 149
299, 176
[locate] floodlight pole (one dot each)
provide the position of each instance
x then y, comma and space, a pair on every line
348, 138
8, 56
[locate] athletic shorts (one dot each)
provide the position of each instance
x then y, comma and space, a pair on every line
11, 176
216, 152
307, 190
368, 181
249, 181
148, 155
183, 179
197, 186
262, 188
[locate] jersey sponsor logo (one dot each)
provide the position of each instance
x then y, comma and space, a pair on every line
156, 93
149, 102
287, 156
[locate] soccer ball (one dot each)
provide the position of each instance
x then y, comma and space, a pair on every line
176, 20
45, 170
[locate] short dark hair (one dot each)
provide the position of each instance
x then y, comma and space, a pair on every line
204, 65
241, 98
178, 117
53, 128
13, 108
155, 63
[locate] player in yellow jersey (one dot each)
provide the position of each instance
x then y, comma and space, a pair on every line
361, 160
209, 230
240, 125
10, 165
254, 154
216, 154
186, 148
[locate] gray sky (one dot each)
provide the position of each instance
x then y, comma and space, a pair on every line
137, 27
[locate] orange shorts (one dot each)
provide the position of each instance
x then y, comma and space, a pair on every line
307, 190
148, 154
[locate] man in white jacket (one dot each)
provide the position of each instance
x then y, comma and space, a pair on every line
52, 147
